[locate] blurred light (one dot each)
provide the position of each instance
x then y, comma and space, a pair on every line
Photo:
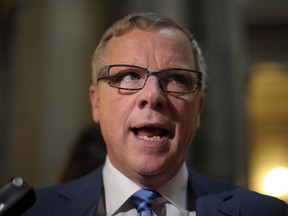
276, 182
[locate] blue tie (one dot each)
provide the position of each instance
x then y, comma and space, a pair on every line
143, 200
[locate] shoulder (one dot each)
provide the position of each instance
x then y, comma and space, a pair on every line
203, 185
48, 199
208, 191
256, 200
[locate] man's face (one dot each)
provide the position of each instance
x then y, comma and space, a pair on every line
147, 132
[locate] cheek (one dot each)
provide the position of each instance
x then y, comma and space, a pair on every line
188, 121
112, 127
194, 109
112, 122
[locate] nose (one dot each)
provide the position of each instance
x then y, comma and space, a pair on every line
152, 96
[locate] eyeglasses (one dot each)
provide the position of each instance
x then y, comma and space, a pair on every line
174, 80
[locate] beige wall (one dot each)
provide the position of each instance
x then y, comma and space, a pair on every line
50, 101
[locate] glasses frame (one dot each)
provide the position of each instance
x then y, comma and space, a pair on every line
106, 70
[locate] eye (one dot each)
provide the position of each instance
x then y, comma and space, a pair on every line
129, 76
178, 79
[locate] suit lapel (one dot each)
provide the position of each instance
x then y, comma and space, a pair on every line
82, 196
78, 206
211, 198
216, 205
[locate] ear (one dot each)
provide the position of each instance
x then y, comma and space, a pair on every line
200, 107
94, 100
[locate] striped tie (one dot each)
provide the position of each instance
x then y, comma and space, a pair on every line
143, 200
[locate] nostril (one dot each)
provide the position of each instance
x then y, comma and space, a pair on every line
144, 103
159, 105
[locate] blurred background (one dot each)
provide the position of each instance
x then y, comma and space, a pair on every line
45, 54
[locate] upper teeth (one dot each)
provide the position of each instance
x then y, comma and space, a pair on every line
154, 138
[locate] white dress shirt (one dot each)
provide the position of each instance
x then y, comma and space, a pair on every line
118, 188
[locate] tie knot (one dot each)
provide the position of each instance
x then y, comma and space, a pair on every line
143, 200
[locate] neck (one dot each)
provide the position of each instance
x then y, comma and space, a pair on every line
154, 182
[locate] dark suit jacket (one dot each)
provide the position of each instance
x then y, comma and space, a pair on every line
212, 198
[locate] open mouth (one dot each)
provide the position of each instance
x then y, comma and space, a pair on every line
151, 133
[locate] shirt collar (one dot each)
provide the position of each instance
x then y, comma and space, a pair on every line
116, 183
175, 190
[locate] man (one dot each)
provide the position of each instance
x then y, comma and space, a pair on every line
147, 94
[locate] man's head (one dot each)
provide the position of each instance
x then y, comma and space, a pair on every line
147, 131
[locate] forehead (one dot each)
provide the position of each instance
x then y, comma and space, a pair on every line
145, 47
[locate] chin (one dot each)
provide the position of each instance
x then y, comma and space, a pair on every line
150, 167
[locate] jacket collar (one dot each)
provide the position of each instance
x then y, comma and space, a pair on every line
86, 191
216, 205
212, 198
